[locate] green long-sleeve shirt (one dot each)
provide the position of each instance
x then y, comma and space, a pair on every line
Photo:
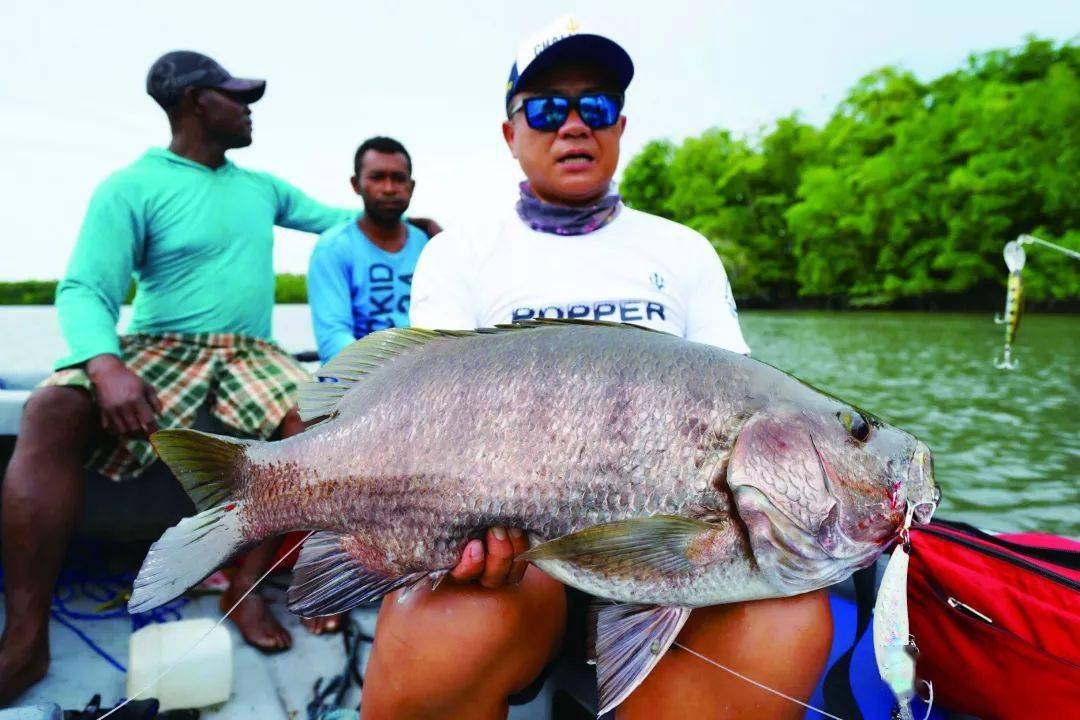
198, 242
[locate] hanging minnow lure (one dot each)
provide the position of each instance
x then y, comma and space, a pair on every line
1014, 298
894, 647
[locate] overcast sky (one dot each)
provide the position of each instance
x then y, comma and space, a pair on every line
73, 106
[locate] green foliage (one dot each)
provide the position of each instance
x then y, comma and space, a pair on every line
287, 289
646, 178
909, 191
290, 289
28, 292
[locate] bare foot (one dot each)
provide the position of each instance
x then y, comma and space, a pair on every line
21, 667
325, 624
254, 620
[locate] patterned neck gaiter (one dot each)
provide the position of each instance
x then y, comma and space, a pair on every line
562, 219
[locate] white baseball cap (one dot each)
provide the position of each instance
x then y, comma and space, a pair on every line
563, 41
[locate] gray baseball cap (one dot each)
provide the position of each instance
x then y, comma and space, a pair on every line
174, 71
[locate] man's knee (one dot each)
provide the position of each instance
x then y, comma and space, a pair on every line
465, 635
806, 623
57, 426
782, 643
57, 410
785, 641
290, 425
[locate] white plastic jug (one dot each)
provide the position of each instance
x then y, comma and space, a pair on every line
202, 678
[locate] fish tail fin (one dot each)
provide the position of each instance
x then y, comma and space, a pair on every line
208, 467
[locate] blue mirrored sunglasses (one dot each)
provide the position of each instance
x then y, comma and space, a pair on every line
547, 113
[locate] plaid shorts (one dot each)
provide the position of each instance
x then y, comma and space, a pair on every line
248, 384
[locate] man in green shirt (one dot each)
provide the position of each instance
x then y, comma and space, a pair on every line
196, 233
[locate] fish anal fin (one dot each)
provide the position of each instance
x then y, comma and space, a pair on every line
666, 543
629, 641
329, 579
185, 554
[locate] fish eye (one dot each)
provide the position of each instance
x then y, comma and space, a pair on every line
855, 424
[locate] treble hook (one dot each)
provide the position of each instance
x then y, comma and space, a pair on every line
1006, 361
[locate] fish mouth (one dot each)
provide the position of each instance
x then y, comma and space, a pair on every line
923, 492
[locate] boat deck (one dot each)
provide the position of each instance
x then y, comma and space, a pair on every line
281, 686
270, 687
273, 687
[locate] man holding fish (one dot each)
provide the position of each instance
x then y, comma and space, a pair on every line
573, 250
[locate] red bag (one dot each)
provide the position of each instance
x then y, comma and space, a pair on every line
997, 622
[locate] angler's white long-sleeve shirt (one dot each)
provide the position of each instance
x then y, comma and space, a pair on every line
638, 269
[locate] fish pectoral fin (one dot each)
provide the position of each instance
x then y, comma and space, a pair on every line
629, 642
327, 579
665, 543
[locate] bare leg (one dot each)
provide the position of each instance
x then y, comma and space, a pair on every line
459, 651
325, 624
781, 643
293, 425
253, 618
42, 498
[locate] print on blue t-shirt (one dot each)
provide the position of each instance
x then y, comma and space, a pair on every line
356, 287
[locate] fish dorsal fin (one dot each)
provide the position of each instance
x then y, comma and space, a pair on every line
328, 579
323, 395
555, 322
663, 542
629, 641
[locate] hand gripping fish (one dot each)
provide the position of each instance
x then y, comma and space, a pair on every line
654, 472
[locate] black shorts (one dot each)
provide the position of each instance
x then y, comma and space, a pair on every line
573, 647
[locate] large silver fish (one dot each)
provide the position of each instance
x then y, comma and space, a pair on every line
652, 471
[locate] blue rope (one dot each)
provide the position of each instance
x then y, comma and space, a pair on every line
79, 579
86, 639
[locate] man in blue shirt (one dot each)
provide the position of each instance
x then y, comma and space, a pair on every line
360, 278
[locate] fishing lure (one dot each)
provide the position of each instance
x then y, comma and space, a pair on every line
894, 647
1014, 299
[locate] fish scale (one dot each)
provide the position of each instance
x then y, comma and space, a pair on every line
545, 448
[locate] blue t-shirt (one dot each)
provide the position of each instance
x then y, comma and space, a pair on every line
356, 287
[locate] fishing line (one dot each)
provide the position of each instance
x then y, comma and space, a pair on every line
1028, 239
205, 635
755, 682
